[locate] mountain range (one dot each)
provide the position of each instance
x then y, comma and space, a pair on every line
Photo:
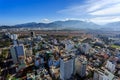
70, 24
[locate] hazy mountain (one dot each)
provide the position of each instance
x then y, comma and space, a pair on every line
70, 24
32, 24
114, 26
75, 24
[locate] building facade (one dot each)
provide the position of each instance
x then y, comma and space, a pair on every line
66, 68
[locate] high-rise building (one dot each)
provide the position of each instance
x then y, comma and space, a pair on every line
14, 36
102, 75
17, 52
32, 34
28, 52
111, 66
80, 66
68, 45
66, 67
13, 54
85, 48
15, 42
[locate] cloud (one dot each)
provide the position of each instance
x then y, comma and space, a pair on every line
113, 10
66, 19
102, 4
95, 10
104, 20
45, 20
74, 10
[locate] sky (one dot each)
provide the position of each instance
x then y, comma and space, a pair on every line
22, 11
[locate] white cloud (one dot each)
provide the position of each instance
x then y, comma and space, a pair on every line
101, 4
104, 20
66, 19
74, 10
45, 20
113, 10
97, 10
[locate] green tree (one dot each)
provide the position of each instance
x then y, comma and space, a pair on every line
8, 77
34, 51
5, 53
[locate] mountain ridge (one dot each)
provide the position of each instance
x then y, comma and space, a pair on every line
62, 24
69, 24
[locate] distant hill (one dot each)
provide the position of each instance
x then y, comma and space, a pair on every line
114, 26
77, 24
69, 24
74, 24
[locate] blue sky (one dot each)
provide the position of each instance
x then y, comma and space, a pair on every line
23, 11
